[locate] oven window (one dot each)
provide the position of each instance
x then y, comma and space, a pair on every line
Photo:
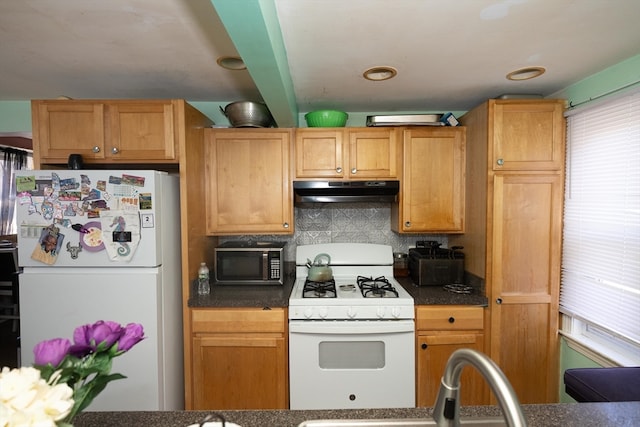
351, 354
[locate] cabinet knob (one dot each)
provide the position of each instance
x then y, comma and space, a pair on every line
115, 150
498, 300
407, 224
285, 225
423, 346
339, 169
500, 162
452, 319
96, 149
354, 171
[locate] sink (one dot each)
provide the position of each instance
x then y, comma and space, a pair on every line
404, 422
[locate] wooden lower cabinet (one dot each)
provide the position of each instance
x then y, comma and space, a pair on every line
441, 330
239, 359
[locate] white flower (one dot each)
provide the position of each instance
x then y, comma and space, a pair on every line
28, 400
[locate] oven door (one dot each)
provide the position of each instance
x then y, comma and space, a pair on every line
351, 364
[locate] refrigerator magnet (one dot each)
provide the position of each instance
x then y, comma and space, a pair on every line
74, 251
49, 245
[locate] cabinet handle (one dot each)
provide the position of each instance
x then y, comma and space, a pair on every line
407, 224
452, 319
285, 225
498, 300
354, 171
339, 169
500, 162
96, 149
114, 150
423, 346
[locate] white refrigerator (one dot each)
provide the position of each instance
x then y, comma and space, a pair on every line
105, 245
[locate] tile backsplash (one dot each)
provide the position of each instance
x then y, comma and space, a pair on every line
344, 222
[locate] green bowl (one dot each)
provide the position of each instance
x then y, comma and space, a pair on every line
326, 119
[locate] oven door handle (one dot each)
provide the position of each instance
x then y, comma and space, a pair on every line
346, 327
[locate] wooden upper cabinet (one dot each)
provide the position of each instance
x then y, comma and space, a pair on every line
61, 128
141, 131
319, 153
248, 185
111, 131
348, 153
433, 181
527, 134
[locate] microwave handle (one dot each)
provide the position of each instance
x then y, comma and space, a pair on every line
265, 265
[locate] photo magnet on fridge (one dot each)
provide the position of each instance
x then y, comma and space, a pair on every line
49, 245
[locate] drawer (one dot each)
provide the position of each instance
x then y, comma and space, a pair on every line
238, 320
449, 317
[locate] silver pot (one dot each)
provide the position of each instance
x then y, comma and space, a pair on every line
320, 271
248, 114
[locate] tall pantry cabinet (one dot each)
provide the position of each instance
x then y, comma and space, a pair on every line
514, 196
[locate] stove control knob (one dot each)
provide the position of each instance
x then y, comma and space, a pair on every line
351, 312
323, 312
308, 312
380, 312
395, 312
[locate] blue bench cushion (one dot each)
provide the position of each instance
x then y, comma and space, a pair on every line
603, 384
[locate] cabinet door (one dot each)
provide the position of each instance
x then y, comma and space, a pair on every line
525, 266
65, 127
527, 135
240, 372
433, 351
433, 181
248, 185
374, 153
141, 131
320, 153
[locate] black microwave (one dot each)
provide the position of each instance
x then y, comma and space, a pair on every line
249, 263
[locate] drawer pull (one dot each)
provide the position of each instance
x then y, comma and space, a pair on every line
452, 319
423, 346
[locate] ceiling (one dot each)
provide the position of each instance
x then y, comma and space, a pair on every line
303, 55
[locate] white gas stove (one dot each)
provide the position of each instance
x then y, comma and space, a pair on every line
362, 288
351, 338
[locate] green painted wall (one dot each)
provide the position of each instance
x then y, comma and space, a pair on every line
569, 358
620, 76
15, 116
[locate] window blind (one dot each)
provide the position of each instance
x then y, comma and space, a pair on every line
601, 236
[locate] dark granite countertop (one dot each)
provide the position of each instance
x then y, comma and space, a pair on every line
566, 415
244, 296
435, 295
278, 296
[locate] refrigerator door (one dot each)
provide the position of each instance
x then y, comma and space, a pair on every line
54, 303
94, 218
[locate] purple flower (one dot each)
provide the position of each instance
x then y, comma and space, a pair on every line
51, 351
132, 335
93, 335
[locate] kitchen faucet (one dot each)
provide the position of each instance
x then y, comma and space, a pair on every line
446, 411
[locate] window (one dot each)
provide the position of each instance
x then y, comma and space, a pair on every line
11, 160
600, 288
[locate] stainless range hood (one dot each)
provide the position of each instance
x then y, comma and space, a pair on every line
345, 191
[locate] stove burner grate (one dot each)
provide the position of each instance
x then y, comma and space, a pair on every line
380, 287
313, 289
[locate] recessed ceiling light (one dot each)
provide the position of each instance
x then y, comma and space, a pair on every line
526, 73
231, 63
380, 73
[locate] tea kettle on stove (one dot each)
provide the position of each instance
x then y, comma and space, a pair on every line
319, 270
